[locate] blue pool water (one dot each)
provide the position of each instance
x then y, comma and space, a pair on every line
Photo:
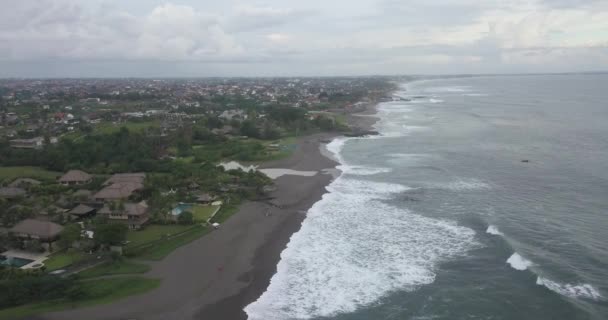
14, 262
181, 208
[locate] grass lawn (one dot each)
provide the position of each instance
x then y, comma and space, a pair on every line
160, 250
11, 173
153, 232
114, 267
96, 292
203, 213
63, 259
106, 127
286, 147
225, 212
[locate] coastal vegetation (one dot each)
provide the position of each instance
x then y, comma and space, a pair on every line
174, 153
114, 267
85, 293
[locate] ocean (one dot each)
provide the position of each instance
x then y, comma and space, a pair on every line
482, 198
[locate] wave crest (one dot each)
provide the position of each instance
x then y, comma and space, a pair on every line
518, 262
494, 231
353, 249
583, 290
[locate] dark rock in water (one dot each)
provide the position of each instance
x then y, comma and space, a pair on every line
409, 198
361, 133
525, 161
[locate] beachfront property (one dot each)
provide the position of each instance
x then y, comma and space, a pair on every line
82, 211
24, 183
33, 143
126, 178
205, 199
121, 186
31, 229
135, 215
11, 192
75, 177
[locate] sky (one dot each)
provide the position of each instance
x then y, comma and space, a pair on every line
202, 38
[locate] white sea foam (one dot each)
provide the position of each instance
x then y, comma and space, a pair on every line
364, 171
336, 146
433, 100
464, 184
353, 249
415, 128
518, 262
475, 94
274, 173
583, 290
450, 89
233, 165
494, 230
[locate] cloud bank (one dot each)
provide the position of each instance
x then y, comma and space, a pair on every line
202, 38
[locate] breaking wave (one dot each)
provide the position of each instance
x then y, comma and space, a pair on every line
464, 185
583, 290
364, 171
353, 249
494, 231
518, 262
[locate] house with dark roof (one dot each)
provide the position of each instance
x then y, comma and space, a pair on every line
75, 177
121, 186
126, 178
205, 199
34, 143
11, 192
45, 231
135, 215
24, 183
118, 191
82, 211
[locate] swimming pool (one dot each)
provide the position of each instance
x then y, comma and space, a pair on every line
180, 208
14, 261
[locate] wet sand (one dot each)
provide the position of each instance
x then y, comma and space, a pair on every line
216, 276
364, 121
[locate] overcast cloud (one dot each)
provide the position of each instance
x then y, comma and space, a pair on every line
106, 38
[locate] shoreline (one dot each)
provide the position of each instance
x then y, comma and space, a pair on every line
218, 275
269, 255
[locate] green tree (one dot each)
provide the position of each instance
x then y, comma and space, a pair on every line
111, 234
249, 129
185, 218
69, 235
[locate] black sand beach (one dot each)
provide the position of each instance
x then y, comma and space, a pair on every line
217, 275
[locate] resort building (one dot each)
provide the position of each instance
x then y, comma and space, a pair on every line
121, 186
126, 178
34, 143
24, 183
82, 211
205, 199
11, 192
133, 214
75, 177
44, 231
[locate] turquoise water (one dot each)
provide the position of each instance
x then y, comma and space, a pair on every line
180, 208
14, 262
